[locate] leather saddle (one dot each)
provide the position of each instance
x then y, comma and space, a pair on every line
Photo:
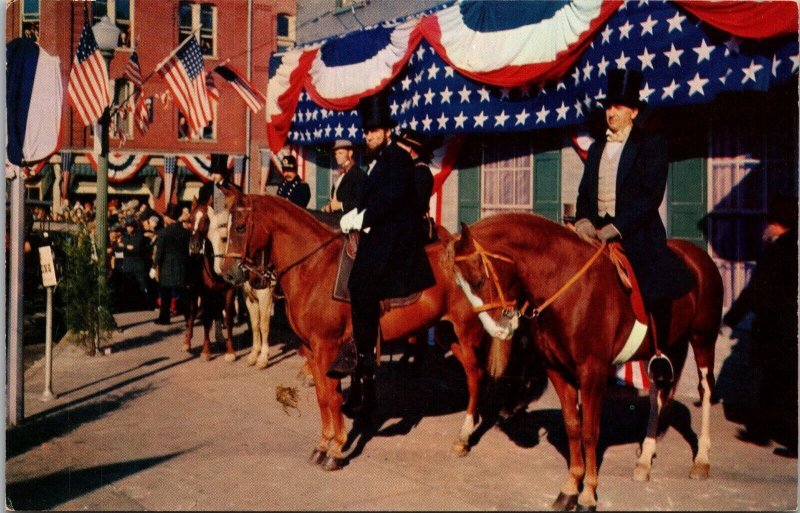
628, 280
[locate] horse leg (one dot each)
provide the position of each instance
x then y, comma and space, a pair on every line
230, 353
464, 351
251, 301
568, 396
593, 388
701, 464
304, 374
329, 398
263, 312
642, 470
208, 318
191, 305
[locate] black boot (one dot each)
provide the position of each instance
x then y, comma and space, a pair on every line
345, 362
361, 398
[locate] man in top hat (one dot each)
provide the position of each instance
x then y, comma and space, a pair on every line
623, 184
293, 188
390, 260
220, 177
344, 192
419, 148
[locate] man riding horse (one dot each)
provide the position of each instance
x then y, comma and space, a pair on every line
390, 260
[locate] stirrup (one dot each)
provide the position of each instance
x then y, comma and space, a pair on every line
662, 366
345, 362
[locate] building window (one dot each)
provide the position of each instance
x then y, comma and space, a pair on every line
30, 19
121, 127
120, 12
209, 132
286, 34
506, 178
200, 20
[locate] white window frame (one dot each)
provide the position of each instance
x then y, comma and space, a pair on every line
284, 42
111, 12
212, 135
23, 19
503, 176
196, 29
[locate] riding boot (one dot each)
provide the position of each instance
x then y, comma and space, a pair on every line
361, 398
345, 362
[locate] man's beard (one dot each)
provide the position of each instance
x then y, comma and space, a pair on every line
373, 153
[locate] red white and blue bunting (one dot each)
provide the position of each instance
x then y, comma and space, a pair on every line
121, 166
200, 165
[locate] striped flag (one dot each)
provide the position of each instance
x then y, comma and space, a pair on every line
133, 72
213, 92
185, 77
144, 114
251, 96
87, 89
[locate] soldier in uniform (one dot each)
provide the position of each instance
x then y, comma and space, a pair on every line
293, 188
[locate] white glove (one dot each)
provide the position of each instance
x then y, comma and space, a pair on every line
358, 220
347, 220
153, 274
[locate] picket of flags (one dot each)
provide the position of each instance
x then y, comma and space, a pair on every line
87, 89
251, 96
213, 92
183, 72
133, 72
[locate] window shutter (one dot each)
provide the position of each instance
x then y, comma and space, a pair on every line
547, 184
323, 161
469, 194
687, 188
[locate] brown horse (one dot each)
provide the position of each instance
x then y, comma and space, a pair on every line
582, 332
206, 284
306, 253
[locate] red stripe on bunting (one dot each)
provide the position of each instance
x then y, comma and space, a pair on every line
278, 124
747, 19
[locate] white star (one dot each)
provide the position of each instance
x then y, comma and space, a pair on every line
420, 52
433, 71
426, 123
448, 71
541, 116
327, 130
415, 99
703, 51
578, 108
724, 77
413, 123
352, 131
775, 63
560, 85
647, 59
648, 24
624, 30
525, 91
314, 115
587, 71
501, 118
446, 94
337, 132
317, 133
521, 117
484, 94
795, 62
577, 75
562, 112
750, 71
601, 66
464, 94
480, 119
622, 60
394, 106
587, 100
607, 35
442, 120
460, 119
674, 56
505, 92
418, 78
645, 92
675, 22
669, 91
429, 96
732, 45
697, 84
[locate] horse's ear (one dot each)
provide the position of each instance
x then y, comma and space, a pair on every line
231, 195
464, 240
194, 204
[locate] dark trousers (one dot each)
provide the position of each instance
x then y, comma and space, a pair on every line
166, 294
366, 313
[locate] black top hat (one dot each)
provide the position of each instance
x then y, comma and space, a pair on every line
374, 112
422, 144
623, 88
219, 164
288, 163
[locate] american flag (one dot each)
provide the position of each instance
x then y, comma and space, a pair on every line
144, 114
133, 72
88, 80
252, 97
213, 92
185, 77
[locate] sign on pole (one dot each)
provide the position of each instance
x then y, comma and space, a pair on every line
48, 269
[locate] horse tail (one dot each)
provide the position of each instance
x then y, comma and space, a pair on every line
498, 357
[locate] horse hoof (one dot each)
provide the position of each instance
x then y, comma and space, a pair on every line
251, 360
206, 356
641, 474
186, 347
700, 471
230, 357
331, 463
261, 364
459, 449
565, 502
317, 456
581, 507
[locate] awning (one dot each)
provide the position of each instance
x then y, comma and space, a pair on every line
505, 66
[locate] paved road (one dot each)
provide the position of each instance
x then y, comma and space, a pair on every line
151, 428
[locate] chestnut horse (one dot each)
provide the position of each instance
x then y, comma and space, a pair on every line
212, 227
582, 326
306, 254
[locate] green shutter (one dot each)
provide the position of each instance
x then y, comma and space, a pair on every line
469, 194
687, 200
547, 184
323, 160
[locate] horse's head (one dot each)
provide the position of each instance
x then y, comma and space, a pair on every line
244, 241
200, 225
487, 279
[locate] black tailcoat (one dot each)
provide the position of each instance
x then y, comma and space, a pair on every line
172, 254
349, 188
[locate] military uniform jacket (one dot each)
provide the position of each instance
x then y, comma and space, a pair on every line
349, 188
296, 191
641, 182
391, 259
172, 253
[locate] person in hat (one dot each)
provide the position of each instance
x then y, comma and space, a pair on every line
419, 148
293, 187
771, 295
344, 192
390, 260
134, 263
623, 184
170, 262
220, 177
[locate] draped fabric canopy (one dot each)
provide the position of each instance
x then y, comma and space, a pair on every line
495, 66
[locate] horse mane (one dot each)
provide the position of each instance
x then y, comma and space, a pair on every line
296, 213
547, 232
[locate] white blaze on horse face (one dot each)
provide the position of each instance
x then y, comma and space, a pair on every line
197, 217
492, 328
216, 221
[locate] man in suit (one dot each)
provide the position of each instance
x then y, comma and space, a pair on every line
293, 188
623, 184
220, 177
172, 253
344, 192
390, 260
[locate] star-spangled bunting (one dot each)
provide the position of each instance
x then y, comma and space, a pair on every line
683, 61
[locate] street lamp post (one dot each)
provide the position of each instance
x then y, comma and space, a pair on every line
106, 34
